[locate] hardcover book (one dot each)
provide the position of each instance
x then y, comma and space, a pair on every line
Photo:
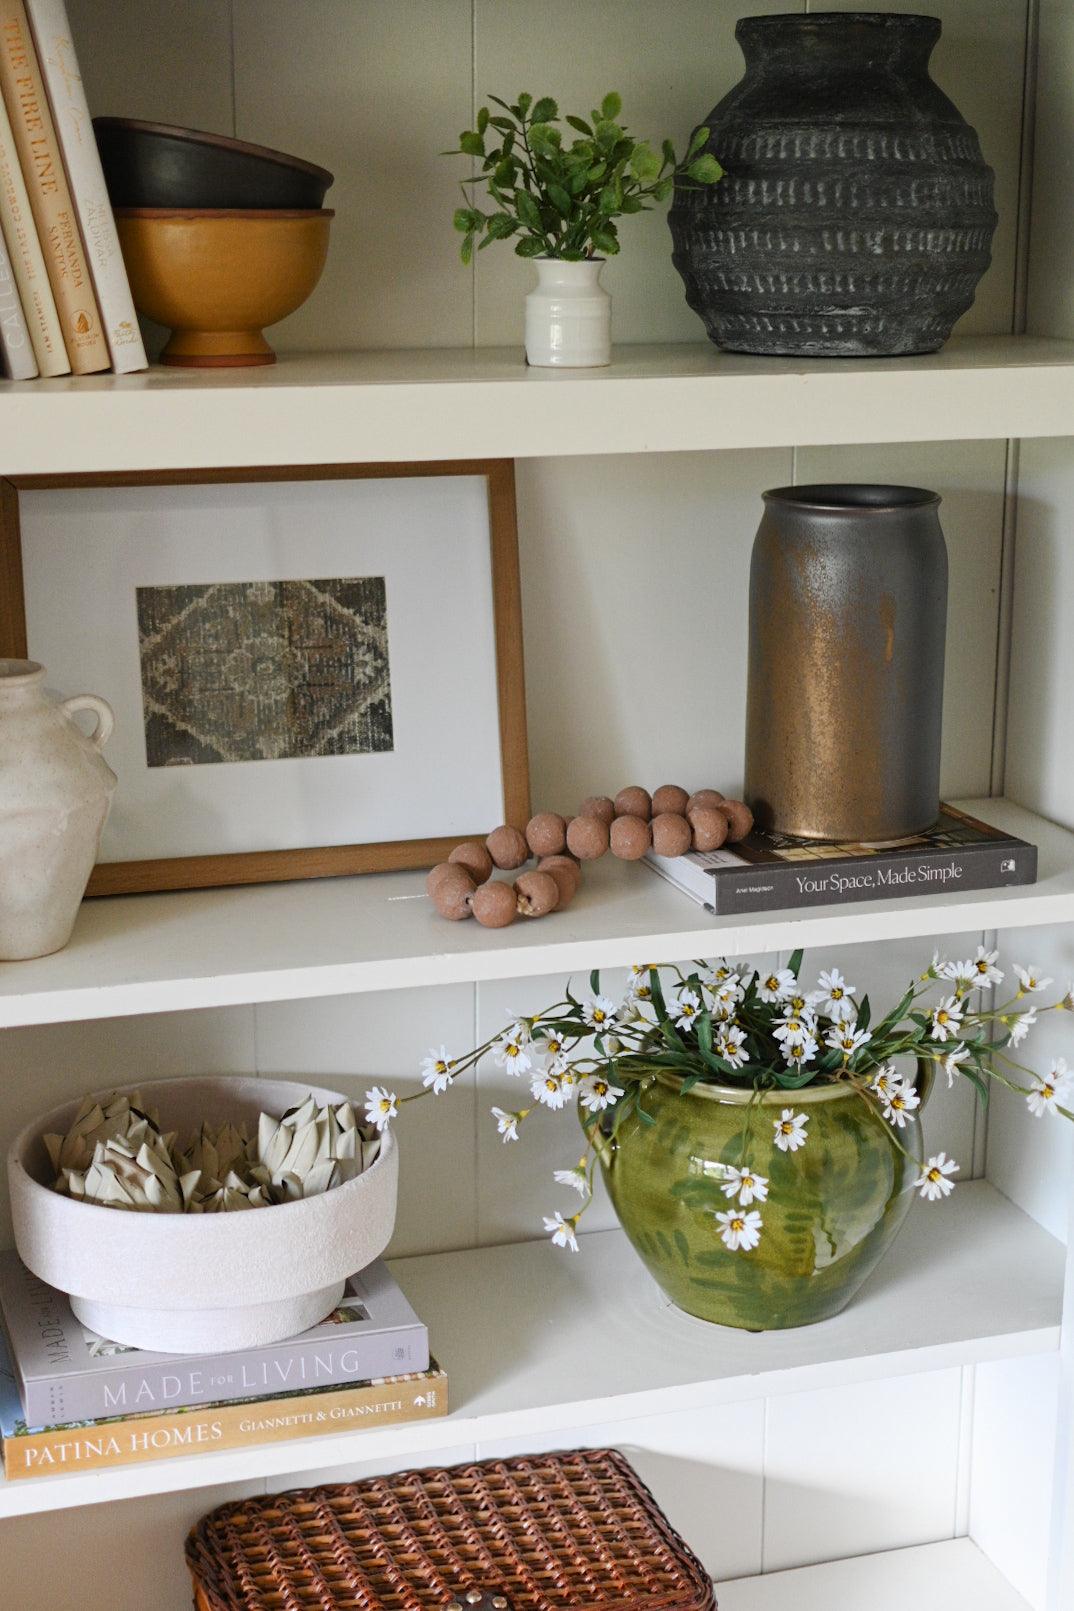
16, 353
30, 1451
51, 204
59, 67
67, 1373
767, 871
27, 261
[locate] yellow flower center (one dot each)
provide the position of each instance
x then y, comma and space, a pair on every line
747, 1180
1047, 1092
598, 1016
934, 1175
942, 1017
837, 994
785, 1127
738, 1224
772, 983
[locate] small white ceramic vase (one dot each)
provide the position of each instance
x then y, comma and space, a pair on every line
568, 316
55, 791
201, 1283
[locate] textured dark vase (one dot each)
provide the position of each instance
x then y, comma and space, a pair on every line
855, 218
848, 621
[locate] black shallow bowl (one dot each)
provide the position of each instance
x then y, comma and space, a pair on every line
155, 165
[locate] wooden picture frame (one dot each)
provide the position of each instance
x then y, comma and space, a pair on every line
318, 861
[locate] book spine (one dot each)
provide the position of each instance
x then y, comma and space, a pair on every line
226, 1426
50, 197
872, 878
59, 66
27, 259
15, 345
140, 1387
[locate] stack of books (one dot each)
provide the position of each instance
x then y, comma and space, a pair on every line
65, 304
72, 1401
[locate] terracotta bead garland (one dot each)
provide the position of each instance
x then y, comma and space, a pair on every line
669, 821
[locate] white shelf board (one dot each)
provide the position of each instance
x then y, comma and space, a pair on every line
950, 1576
972, 1280
276, 942
349, 407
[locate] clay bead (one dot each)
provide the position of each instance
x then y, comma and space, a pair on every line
475, 858
536, 893
704, 799
630, 838
444, 871
672, 835
598, 805
453, 897
739, 819
546, 834
710, 827
669, 797
633, 802
495, 905
508, 848
567, 875
587, 838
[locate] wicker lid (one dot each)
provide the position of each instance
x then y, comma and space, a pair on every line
544, 1532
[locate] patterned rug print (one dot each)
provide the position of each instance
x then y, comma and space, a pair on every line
265, 671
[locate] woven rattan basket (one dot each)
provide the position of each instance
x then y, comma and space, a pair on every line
547, 1532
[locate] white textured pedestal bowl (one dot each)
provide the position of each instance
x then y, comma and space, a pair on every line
200, 1283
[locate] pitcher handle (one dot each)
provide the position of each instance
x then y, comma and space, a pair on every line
106, 716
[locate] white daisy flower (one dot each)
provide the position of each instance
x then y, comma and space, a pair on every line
686, 1009
947, 1019
380, 1108
740, 1230
553, 1045
776, 985
833, 996
795, 1025
726, 997
790, 1130
437, 1071
507, 1123
1049, 1090
884, 1080
718, 972
844, 1038
730, 1045
549, 1089
561, 1231
951, 1063
799, 1049
575, 1178
934, 1180
1021, 1026
595, 1093
512, 1052
899, 1104
984, 968
1068, 1000
1030, 979
599, 1013
963, 975
745, 1185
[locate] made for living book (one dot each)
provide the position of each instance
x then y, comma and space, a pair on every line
30, 1452
65, 1372
768, 871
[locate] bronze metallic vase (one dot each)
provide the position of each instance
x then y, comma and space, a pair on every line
848, 621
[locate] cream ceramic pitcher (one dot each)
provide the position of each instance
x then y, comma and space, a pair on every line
55, 791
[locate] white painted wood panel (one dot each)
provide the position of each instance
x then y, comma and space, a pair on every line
705, 1468
164, 62
952, 1576
1013, 1449
867, 1467
1050, 302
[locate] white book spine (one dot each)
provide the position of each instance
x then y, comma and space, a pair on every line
74, 130
15, 345
27, 259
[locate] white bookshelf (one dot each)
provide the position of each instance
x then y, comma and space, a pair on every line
330, 937
368, 407
932, 1577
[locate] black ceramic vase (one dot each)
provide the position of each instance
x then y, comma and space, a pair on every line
848, 624
855, 218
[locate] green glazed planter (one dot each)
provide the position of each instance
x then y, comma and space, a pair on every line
834, 1206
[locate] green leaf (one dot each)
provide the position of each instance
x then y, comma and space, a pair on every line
482, 120
611, 198
580, 124
605, 240
524, 103
472, 143
504, 124
611, 106
594, 982
560, 200
528, 210
528, 247
698, 139
795, 962
663, 189
669, 152
705, 170
644, 163
466, 219
500, 227
466, 250
545, 110
865, 1012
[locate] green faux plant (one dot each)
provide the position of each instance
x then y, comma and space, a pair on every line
562, 200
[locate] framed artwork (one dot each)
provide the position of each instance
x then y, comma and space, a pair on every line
315, 671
